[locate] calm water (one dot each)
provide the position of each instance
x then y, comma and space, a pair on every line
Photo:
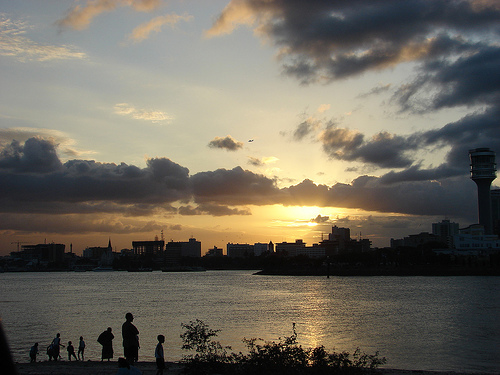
426, 323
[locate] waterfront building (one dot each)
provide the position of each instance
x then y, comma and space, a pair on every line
50, 253
152, 248
191, 248
238, 250
175, 250
103, 255
293, 249
474, 237
483, 172
445, 231
290, 248
313, 252
339, 241
341, 235
262, 248
414, 240
215, 252
359, 246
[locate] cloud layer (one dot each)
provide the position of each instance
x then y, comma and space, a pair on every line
155, 25
80, 16
14, 43
125, 109
33, 179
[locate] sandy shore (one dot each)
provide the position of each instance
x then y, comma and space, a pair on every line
88, 368
149, 368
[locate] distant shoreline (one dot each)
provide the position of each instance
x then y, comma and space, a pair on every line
174, 368
290, 270
382, 271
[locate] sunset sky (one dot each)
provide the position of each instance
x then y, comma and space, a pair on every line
241, 121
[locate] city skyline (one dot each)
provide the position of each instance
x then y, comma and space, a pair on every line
205, 249
242, 120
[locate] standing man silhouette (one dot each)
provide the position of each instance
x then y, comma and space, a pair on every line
130, 340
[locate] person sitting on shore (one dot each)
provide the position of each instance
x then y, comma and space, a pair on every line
124, 368
71, 351
33, 352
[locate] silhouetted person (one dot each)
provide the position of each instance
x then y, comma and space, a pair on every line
71, 351
130, 340
106, 340
124, 368
33, 352
6, 362
81, 348
160, 358
50, 352
56, 347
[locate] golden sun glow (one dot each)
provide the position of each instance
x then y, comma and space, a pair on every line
291, 216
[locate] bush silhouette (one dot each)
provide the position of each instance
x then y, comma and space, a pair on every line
285, 356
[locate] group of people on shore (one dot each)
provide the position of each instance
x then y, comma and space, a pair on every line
130, 335
54, 350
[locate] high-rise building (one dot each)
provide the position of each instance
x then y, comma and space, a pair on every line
483, 172
445, 230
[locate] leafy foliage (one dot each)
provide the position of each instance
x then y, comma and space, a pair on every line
210, 356
269, 357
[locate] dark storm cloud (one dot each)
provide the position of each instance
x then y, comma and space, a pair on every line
480, 129
383, 149
335, 39
32, 179
96, 190
227, 143
233, 187
471, 79
415, 173
212, 209
372, 194
33, 173
36, 155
